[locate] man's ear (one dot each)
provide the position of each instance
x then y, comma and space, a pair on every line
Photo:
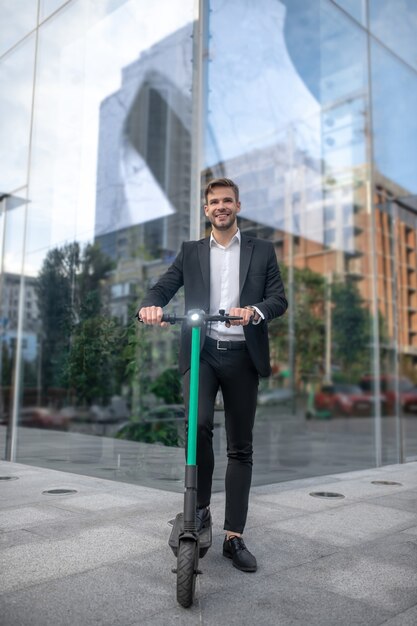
205, 209
238, 207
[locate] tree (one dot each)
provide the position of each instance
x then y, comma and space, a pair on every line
136, 355
309, 321
309, 328
93, 366
69, 300
94, 358
168, 386
351, 330
350, 326
56, 293
95, 266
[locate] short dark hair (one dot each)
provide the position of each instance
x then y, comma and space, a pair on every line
221, 182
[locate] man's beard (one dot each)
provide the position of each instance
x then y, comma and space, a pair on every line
223, 225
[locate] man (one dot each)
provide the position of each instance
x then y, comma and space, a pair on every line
239, 274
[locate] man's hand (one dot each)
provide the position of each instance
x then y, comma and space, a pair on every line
246, 314
152, 315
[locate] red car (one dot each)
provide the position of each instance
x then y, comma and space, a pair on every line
343, 399
42, 417
389, 387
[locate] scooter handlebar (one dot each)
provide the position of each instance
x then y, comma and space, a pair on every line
196, 318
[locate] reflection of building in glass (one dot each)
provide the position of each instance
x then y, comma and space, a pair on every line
9, 315
306, 108
396, 245
143, 179
324, 226
295, 200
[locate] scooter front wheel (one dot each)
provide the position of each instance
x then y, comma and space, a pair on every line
187, 564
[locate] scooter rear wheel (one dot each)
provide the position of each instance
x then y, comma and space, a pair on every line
187, 564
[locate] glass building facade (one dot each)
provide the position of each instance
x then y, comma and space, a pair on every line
113, 115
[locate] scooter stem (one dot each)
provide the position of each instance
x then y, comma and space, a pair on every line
193, 406
190, 492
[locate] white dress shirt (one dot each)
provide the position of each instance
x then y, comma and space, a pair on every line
224, 286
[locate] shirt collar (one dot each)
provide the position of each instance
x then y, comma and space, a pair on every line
236, 237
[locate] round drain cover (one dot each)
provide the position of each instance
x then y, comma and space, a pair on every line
386, 482
59, 492
326, 494
9, 477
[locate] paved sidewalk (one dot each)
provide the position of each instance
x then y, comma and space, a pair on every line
100, 555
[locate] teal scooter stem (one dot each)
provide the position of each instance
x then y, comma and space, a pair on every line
193, 408
190, 494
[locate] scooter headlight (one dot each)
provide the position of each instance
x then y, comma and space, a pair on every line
195, 317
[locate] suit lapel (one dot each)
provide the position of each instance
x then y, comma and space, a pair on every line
204, 258
246, 249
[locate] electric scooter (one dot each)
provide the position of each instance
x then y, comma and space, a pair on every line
186, 543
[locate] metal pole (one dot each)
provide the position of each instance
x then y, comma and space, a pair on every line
395, 262
11, 452
290, 230
376, 366
3, 240
17, 374
375, 347
328, 364
199, 94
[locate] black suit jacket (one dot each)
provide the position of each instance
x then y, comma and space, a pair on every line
260, 286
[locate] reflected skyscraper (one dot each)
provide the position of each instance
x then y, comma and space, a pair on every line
144, 152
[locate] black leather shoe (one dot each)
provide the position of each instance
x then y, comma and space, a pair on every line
235, 549
203, 518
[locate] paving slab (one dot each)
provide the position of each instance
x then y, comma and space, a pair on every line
47, 560
411, 531
27, 516
383, 584
407, 618
348, 525
406, 501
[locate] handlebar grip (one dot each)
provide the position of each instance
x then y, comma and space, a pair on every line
170, 318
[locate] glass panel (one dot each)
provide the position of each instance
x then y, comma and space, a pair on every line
397, 289
17, 19
288, 124
396, 221
356, 8
16, 88
395, 25
109, 207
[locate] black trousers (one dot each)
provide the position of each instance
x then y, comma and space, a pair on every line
234, 373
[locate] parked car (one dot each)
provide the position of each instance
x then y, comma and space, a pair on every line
163, 424
409, 400
389, 386
42, 417
343, 399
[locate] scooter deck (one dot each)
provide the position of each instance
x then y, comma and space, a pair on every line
205, 537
